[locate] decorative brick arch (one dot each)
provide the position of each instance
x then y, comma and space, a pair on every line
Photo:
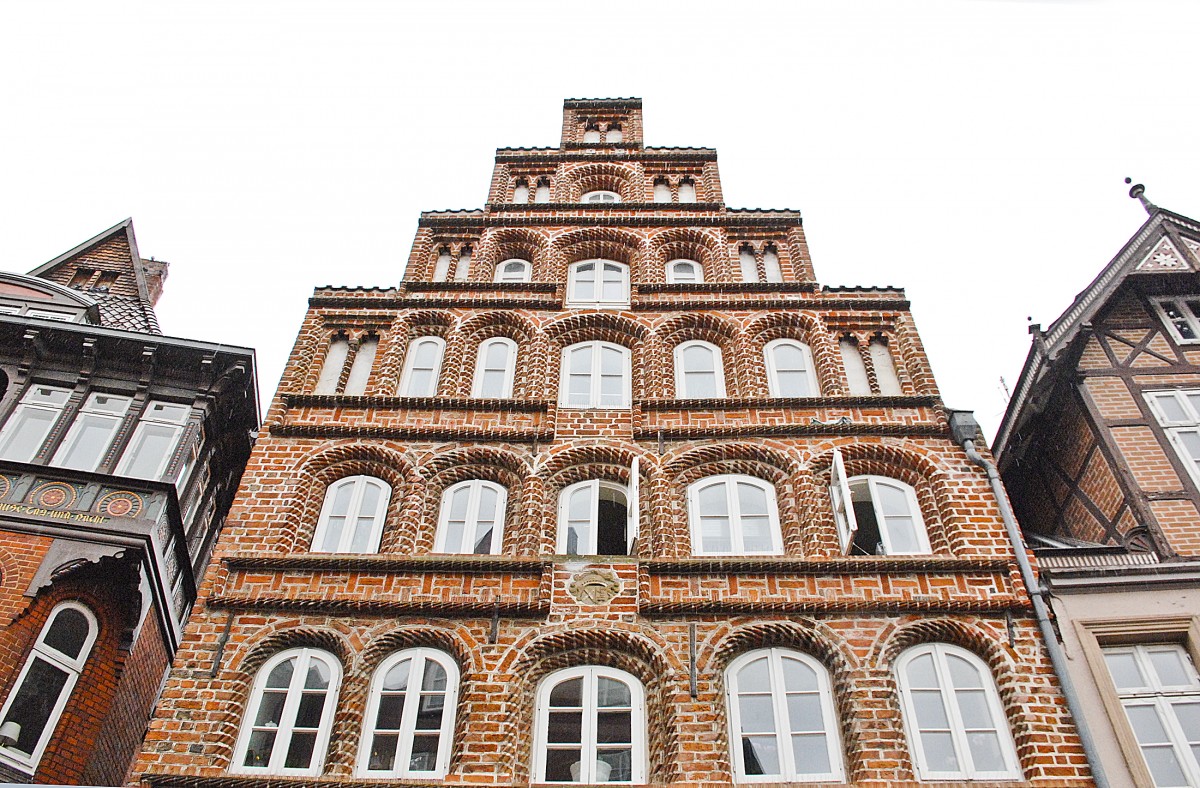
477, 328
706, 247
477, 462
320, 470
705, 326
503, 244
609, 243
807, 328
635, 650
626, 181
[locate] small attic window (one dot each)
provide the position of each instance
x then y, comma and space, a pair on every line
601, 196
82, 277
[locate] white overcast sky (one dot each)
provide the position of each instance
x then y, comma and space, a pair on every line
972, 151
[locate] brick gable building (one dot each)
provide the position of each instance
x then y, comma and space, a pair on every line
610, 489
120, 450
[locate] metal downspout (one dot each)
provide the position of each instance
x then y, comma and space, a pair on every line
1042, 614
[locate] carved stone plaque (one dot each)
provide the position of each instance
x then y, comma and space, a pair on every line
594, 587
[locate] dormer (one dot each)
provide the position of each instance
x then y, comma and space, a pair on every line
27, 296
602, 123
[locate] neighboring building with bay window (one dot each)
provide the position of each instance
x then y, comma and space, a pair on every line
1099, 451
120, 452
609, 490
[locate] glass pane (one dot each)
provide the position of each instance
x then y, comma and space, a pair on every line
151, 445
580, 505
429, 712
318, 675
902, 534
397, 676
558, 766
756, 534
754, 677
496, 356
757, 713
1171, 667
611, 692
1146, 724
459, 499
929, 709
974, 709
920, 672
567, 694
383, 752
1193, 399
34, 701
259, 748
421, 383
308, 714
1124, 668
424, 753
619, 765
488, 499
68, 633
435, 677
1170, 407
797, 676
391, 707
699, 385
580, 360
270, 709
985, 751
614, 727
612, 362
483, 539
892, 500
715, 535
752, 499
334, 525
713, 500
90, 437
300, 752
1164, 766
804, 712
281, 674
1190, 440
25, 433
939, 752
761, 754
1188, 714
566, 727
811, 753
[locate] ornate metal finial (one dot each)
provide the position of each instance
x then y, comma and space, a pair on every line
1138, 192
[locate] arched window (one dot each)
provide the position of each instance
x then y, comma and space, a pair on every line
614, 133
441, 269
409, 724
883, 517
286, 727
885, 368
543, 191
790, 369
698, 371
44, 686
591, 134
856, 370
591, 727
734, 515
687, 190
472, 518
422, 367
955, 724
360, 370
598, 283
782, 720
352, 518
595, 375
521, 192
774, 273
662, 190
748, 264
595, 517
514, 270
494, 368
601, 195
679, 271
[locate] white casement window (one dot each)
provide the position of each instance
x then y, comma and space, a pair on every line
885, 369
856, 369
614, 134
27, 427
286, 727
790, 371
662, 191
44, 685
598, 517
595, 375
687, 190
774, 273
514, 270
876, 515
495, 366
733, 515
472, 518
360, 370
1160, 691
521, 192
92, 432
352, 517
409, 724
590, 728
952, 715
601, 195
1178, 410
422, 367
598, 283
699, 373
681, 271
331, 368
1181, 314
783, 726
441, 269
154, 441
591, 134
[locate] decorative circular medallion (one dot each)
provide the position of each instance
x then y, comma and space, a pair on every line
5, 486
120, 504
53, 495
594, 587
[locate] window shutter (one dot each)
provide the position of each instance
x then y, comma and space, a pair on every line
843, 509
631, 511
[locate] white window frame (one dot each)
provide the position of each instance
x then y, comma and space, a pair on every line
474, 488
157, 415
1188, 317
594, 486
588, 746
72, 666
841, 495
99, 409
784, 728
359, 485
1175, 428
594, 388
41, 399
675, 266
524, 275
419, 658
287, 718
601, 196
410, 362
509, 369
681, 372
957, 728
600, 269
730, 482
810, 373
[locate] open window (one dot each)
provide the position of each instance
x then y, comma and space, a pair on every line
876, 515
598, 517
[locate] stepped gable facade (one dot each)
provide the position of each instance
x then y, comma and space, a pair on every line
610, 490
120, 451
1099, 450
